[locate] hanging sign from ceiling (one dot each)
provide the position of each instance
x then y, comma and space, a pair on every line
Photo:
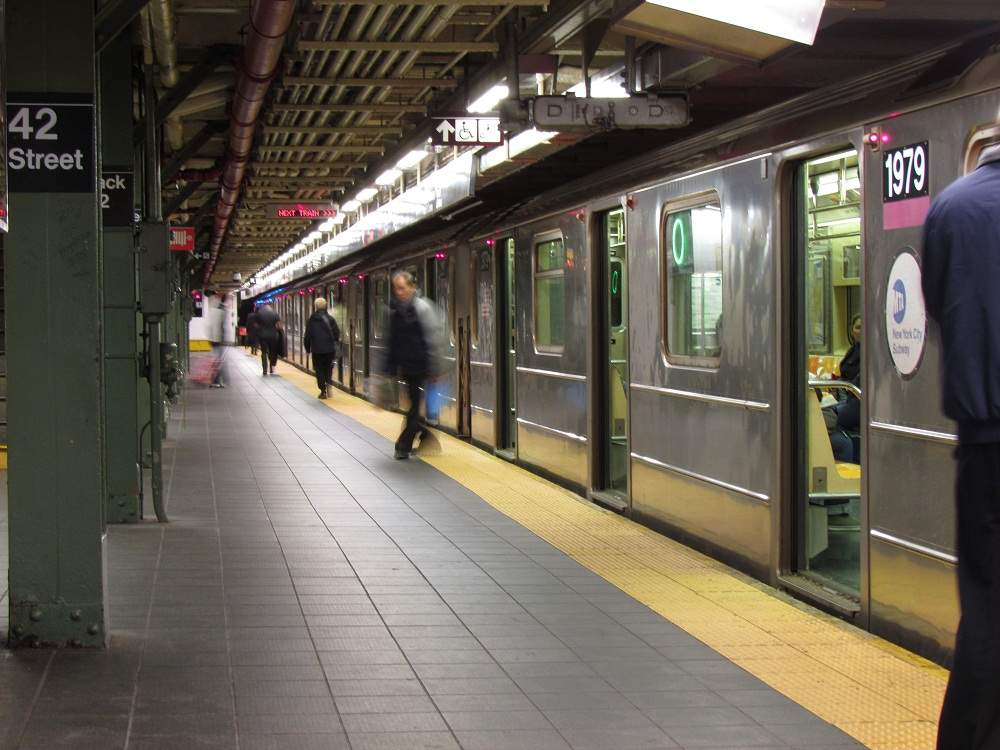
467, 131
301, 210
50, 143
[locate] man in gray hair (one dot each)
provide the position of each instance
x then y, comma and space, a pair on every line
321, 339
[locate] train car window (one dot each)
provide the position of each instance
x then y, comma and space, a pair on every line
692, 258
981, 138
380, 305
549, 260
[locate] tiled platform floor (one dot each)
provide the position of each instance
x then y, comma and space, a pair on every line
311, 592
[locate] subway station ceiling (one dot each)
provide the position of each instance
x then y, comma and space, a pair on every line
357, 81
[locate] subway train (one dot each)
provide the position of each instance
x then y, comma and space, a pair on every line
665, 338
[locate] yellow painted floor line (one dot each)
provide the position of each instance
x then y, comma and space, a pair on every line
880, 694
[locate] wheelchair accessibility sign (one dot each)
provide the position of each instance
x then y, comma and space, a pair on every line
905, 316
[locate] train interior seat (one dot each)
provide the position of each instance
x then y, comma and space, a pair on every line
831, 484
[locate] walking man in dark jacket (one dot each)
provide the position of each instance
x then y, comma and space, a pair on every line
268, 337
321, 339
961, 282
413, 352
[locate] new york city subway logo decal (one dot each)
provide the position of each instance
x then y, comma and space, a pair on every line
905, 315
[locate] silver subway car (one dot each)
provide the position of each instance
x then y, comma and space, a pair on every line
724, 340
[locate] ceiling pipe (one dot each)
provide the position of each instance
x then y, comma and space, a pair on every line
161, 20
269, 22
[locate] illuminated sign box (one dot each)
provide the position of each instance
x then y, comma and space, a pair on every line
299, 210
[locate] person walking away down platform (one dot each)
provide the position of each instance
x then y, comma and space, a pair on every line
216, 324
961, 279
414, 352
321, 340
268, 337
252, 326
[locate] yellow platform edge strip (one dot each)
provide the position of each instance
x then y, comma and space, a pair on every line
199, 345
880, 694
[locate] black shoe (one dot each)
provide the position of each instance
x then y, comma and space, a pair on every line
401, 454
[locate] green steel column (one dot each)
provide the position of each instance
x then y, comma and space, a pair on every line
54, 353
121, 370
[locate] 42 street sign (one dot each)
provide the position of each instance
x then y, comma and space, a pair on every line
465, 130
50, 143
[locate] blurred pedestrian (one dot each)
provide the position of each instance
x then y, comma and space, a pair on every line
321, 339
414, 352
268, 337
252, 326
961, 276
215, 332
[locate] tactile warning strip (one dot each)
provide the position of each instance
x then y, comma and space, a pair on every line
879, 694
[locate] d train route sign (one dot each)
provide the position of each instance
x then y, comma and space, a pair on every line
905, 315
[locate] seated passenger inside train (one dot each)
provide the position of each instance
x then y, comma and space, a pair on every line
844, 417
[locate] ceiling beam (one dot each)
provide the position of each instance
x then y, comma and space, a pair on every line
512, 3
336, 148
397, 83
398, 109
373, 130
337, 45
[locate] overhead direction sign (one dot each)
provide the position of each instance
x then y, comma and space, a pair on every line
467, 130
181, 239
301, 210
50, 143
567, 113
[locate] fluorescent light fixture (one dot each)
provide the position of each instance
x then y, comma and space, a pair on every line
388, 177
490, 99
338, 219
839, 222
412, 159
350, 206
366, 194
603, 88
327, 225
520, 143
796, 20
839, 156
313, 236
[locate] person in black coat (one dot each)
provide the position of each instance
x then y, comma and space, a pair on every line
321, 339
268, 337
850, 365
961, 276
414, 352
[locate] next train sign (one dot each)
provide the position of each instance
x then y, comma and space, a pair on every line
50, 143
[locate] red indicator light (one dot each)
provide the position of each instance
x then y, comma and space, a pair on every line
361, 277
302, 292
873, 137
440, 255
342, 280
885, 138
312, 289
490, 243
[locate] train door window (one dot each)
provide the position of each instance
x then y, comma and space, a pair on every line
982, 139
829, 362
482, 315
440, 290
380, 305
506, 349
693, 281
549, 259
615, 348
